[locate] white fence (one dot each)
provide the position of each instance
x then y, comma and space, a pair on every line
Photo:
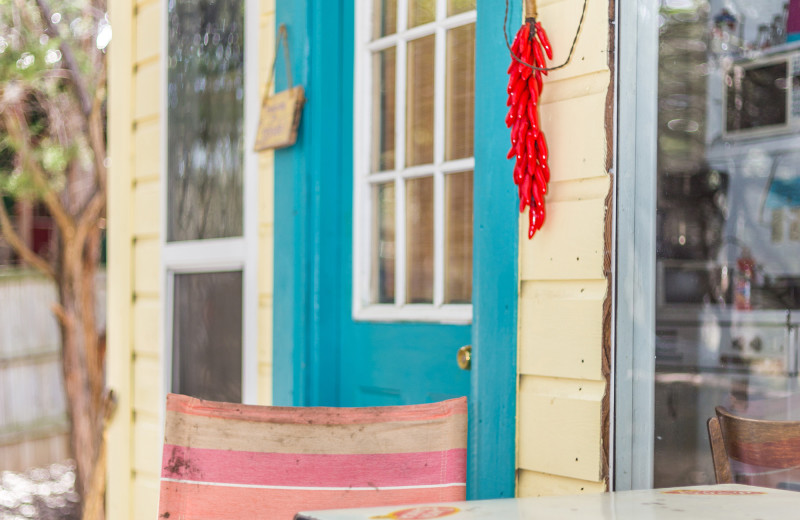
33, 415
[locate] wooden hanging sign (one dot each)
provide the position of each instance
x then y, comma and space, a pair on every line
280, 113
280, 118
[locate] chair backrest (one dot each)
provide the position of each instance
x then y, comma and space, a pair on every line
234, 461
754, 451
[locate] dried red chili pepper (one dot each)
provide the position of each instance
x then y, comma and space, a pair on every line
531, 171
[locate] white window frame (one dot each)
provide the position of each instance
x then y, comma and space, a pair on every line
634, 358
222, 254
363, 179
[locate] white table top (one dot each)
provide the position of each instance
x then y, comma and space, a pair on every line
722, 502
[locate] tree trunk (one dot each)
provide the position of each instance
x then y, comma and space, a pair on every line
82, 355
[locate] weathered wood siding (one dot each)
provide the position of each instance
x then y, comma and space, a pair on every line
136, 300
563, 285
34, 427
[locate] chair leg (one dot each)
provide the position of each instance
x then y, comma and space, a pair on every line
722, 467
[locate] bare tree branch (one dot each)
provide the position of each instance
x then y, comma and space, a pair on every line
96, 131
69, 59
17, 129
19, 246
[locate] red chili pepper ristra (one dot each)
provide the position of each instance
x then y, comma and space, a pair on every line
528, 144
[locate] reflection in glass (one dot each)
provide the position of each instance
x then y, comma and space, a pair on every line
460, 96
205, 96
207, 336
458, 238
728, 266
421, 11
383, 243
383, 111
459, 6
419, 100
419, 240
384, 18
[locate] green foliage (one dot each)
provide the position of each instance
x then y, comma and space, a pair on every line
35, 79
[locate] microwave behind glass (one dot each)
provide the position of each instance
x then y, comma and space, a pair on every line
681, 282
761, 96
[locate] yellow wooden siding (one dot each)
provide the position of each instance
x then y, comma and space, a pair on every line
147, 324
147, 95
147, 445
147, 265
562, 280
146, 144
266, 214
148, 34
532, 483
147, 208
145, 494
119, 497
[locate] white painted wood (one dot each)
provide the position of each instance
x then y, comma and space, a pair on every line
535, 484
235, 253
364, 180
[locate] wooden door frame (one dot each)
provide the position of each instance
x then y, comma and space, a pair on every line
307, 249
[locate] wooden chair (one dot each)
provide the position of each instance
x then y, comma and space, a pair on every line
753, 451
232, 461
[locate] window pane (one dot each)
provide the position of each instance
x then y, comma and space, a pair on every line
458, 238
421, 11
205, 110
728, 265
383, 243
419, 240
460, 95
207, 336
419, 112
383, 101
384, 17
459, 6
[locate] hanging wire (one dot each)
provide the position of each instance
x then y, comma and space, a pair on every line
533, 20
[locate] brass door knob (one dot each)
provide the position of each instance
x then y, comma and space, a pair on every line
464, 357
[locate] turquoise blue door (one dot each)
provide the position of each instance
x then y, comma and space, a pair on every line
323, 355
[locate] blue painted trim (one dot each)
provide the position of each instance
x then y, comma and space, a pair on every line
492, 411
308, 245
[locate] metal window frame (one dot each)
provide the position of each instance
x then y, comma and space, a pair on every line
634, 369
224, 254
363, 179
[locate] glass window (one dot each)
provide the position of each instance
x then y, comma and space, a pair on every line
205, 106
413, 228
205, 256
207, 336
728, 237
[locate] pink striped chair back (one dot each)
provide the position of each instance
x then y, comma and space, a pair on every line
232, 461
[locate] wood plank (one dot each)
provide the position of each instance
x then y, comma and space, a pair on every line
560, 20
147, 320
561, 329
147, 266
265, 335
147, 447
534, 484
147, 376
579, 189
266, 196
570, 246
147, 209
148, 33
145, 497
120, 250
575, 130
265, 384
146, 149
560, 422
576, 86
147, 90
265, 260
